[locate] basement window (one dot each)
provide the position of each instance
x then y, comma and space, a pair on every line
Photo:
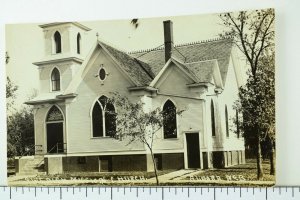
81, 160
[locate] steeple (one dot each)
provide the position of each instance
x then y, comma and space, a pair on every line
63, 39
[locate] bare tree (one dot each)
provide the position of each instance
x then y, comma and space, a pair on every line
138, 124
253, 33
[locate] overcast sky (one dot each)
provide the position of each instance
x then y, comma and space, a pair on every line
25, 42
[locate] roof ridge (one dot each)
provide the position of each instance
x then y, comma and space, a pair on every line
112, 46
183, 44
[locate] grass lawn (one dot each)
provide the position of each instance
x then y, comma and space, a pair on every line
239, 175
235, 175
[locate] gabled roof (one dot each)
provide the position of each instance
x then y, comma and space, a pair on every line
198, 60
137, 70
219, 49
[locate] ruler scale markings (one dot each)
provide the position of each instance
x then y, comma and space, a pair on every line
162, 193
227, 191
266, 193
35, 191
188, 192
253, 191
111, 193
10, 192
176, 191
292, 191
137, 192
240, 192
214, 193
124, 190
279, 190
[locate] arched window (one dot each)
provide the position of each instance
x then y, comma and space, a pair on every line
169, 120
57, 42
55, 80
54, 114
104, 118
213, 122
226, 121
78, 43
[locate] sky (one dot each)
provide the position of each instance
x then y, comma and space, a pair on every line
25, 42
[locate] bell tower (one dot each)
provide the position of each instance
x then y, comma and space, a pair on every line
63, 39
63, 54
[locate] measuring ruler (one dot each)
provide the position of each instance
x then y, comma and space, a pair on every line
146, 193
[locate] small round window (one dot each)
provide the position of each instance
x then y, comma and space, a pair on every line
102, 74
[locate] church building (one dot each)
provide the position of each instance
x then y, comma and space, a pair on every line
74, 131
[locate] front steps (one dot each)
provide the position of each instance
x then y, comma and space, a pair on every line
30, 165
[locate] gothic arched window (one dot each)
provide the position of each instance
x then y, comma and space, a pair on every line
104, 118
213, 122
57, 42
54, 114
55, 80
169, 120
78, 43
226, 121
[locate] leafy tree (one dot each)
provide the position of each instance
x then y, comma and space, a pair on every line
138, 124
11, 89
253, 33
20, 133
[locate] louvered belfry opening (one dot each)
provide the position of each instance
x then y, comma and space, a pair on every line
168, 35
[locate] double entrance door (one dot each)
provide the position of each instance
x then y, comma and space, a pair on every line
55, 138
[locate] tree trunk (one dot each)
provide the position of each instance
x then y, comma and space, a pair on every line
272, 160
155, 169
260, 172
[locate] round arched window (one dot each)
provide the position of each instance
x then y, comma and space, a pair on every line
102, 74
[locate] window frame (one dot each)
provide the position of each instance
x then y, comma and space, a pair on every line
56, 81
176, 121
212, 119
54, 44
226, 122
78, 43
103, 119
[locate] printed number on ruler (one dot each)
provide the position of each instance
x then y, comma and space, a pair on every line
143, 193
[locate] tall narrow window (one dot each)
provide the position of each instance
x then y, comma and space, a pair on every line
237, 124
104, 118
169, 120
55, 80
78, 43
57, 42
97, 120
226, 121
213, 123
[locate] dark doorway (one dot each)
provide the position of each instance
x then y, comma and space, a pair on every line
158, 160
193, 150
55, 138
